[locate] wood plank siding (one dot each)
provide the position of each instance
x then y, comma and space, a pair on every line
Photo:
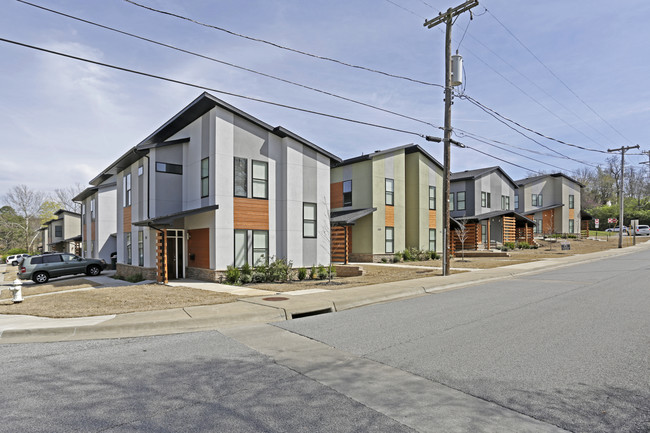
198, 248
250, 214
126, 218
161, 257
390, 216
548, 221
336, 195
471, 241
432, 219
341, 244
92, 231
509, 232
572, 214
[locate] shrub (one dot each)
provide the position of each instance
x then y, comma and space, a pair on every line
433, 255
232, 275
258, 277
524, 245
312, 273
246, 270
322, 272
279, 270
302, 274
509, 245
245, 278
397, 257
332, 270
407, 256
384, 260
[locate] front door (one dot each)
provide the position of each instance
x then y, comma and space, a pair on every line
175, 254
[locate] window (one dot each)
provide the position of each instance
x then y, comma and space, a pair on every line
83, 212
571, 226
241, 248
539, 200
451, 202
483, 199
505, 202
205, 177
309, 220
347, 193
260, 247
432, 197
58, 231
390, 187
164, 167
126, 187
533, 200
241, 177
92, 209
460, 200
140, 248
260, 179
128, 248
484, 233
140, 170
489, 199
516, 201
571, 202
432, 239
389, 240
52, 258
538, 227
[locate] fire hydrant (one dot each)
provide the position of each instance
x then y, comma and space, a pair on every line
17, 291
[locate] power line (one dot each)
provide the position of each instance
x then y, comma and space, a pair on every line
229, 64
555, 75
171, 80
282, 47
501, 159
406, 9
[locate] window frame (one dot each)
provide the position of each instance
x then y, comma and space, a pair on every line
432, 199
459, 201
205, 177
257, 249
452, 198
306, 221
127, 244
245, 232
483, 199
140, 248
516, 201
432, 240
533, 200
347, 196
245, 176
126, 186
169, 168
572, 226
572, 201
390, 194
257, 180
58, 231
93, 209
540, 200
390, 230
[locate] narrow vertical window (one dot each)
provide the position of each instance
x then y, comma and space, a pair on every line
516, 201
309, 220
489, 199
432, 197
140, 248
140, 170
571, 202
205, 177
483, 199
533, 200
260, 179
507, 202
539, 200
460, 200
347, 193
241, 177
241, 248
128, 248
260, 247
432, 239
92, 209
126, 186
571, 226
390, 186
390, 245
451, 201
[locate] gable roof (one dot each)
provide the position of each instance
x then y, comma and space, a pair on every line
201, 105
527, 180
408, 148
480, 172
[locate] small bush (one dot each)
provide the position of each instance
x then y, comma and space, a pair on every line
246, 270
509, 245
245, 278
433, 255
384, 260
232, 275
258, 277
279, 270
407, 256
322, 272
302, 273
524, 245
397, 257
312, 273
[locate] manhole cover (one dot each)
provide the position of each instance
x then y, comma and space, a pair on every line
275, 298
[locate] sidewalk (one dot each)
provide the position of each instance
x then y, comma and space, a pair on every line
268, 306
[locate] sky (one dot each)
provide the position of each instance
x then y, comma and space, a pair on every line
574, 71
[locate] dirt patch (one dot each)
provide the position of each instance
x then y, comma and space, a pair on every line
114, 300
57, 286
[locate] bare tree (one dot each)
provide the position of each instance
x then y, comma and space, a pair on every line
614, 170
326, 233
635, 184
64, 197
461, 233
27, 205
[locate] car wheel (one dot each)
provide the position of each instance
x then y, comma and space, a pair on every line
93, 270
40, 277
14, 263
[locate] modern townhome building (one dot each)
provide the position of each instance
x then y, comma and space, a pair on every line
63, 233
386, 202
483, 201
215, 187
99, 219
552, 201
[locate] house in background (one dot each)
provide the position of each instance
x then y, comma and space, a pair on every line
385, 202
99, 219
215, 187
483, 200
62, 234
552, 201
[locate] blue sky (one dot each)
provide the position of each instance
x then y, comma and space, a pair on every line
63, 121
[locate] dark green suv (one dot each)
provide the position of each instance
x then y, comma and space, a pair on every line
41, 268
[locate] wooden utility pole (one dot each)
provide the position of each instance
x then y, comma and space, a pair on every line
621, 189
447, 18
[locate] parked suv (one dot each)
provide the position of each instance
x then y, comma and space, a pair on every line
15, 259
43, 267
642, 230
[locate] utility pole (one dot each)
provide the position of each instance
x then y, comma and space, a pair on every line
447, 18
621, 189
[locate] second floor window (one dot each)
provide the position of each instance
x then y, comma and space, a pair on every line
309, 220
241, 177
205, 177
165, 167
390, 186
536, 200
451, 201
505, 202
347, 193
516, 201
260, 179
58, 231
486, 199
92, 209
460, 200
571, 202
126, 186
432, 197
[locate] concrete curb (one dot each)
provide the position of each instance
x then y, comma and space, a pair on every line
265, 310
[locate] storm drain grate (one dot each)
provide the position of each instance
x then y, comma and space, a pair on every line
311, 313
275, 298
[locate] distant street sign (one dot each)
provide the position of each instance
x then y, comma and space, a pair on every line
597, 222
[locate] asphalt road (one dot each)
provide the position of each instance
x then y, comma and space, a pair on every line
566, 350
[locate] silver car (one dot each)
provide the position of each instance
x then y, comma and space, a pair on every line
41, 268
642, 230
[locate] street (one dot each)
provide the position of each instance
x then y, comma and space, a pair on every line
563, 350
